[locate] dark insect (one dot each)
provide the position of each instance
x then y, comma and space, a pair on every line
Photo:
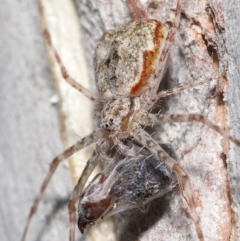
130, 183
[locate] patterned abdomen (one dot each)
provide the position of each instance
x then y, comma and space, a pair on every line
126, 59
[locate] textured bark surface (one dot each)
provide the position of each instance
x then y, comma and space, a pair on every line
230, 49
207, 40
199, 53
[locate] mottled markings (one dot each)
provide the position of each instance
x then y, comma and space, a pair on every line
150, 58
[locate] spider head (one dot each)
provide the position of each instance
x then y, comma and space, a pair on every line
116, 114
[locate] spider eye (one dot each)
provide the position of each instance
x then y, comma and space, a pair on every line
111, 120
106, 125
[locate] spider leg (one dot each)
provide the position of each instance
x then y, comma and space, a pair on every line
148, 103
91, 164
136, 9
101, 147
173, 27
93, 137
64, 71
124, 149
146, 140
149, 119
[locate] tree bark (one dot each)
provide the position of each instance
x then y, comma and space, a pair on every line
29, 129
206, 44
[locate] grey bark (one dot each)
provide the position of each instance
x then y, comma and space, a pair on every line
231, 50
29, 129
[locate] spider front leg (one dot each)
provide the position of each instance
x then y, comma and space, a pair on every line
148, 103
125, 149
63, 70
150, 119
136, 9
146, 140
93, 137
101, 148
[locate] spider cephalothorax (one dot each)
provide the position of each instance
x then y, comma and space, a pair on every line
115, 113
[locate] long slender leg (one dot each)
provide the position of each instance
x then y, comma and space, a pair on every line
93, 137
165, 51
91, 164
148, 103
124, 149
136, 9
174, 28
146, 140
64, 72
101, 148
149, 119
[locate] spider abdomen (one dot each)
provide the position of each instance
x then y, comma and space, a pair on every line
126, 58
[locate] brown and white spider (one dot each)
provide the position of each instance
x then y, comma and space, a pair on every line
127, 103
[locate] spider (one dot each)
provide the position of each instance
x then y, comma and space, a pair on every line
129, 65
